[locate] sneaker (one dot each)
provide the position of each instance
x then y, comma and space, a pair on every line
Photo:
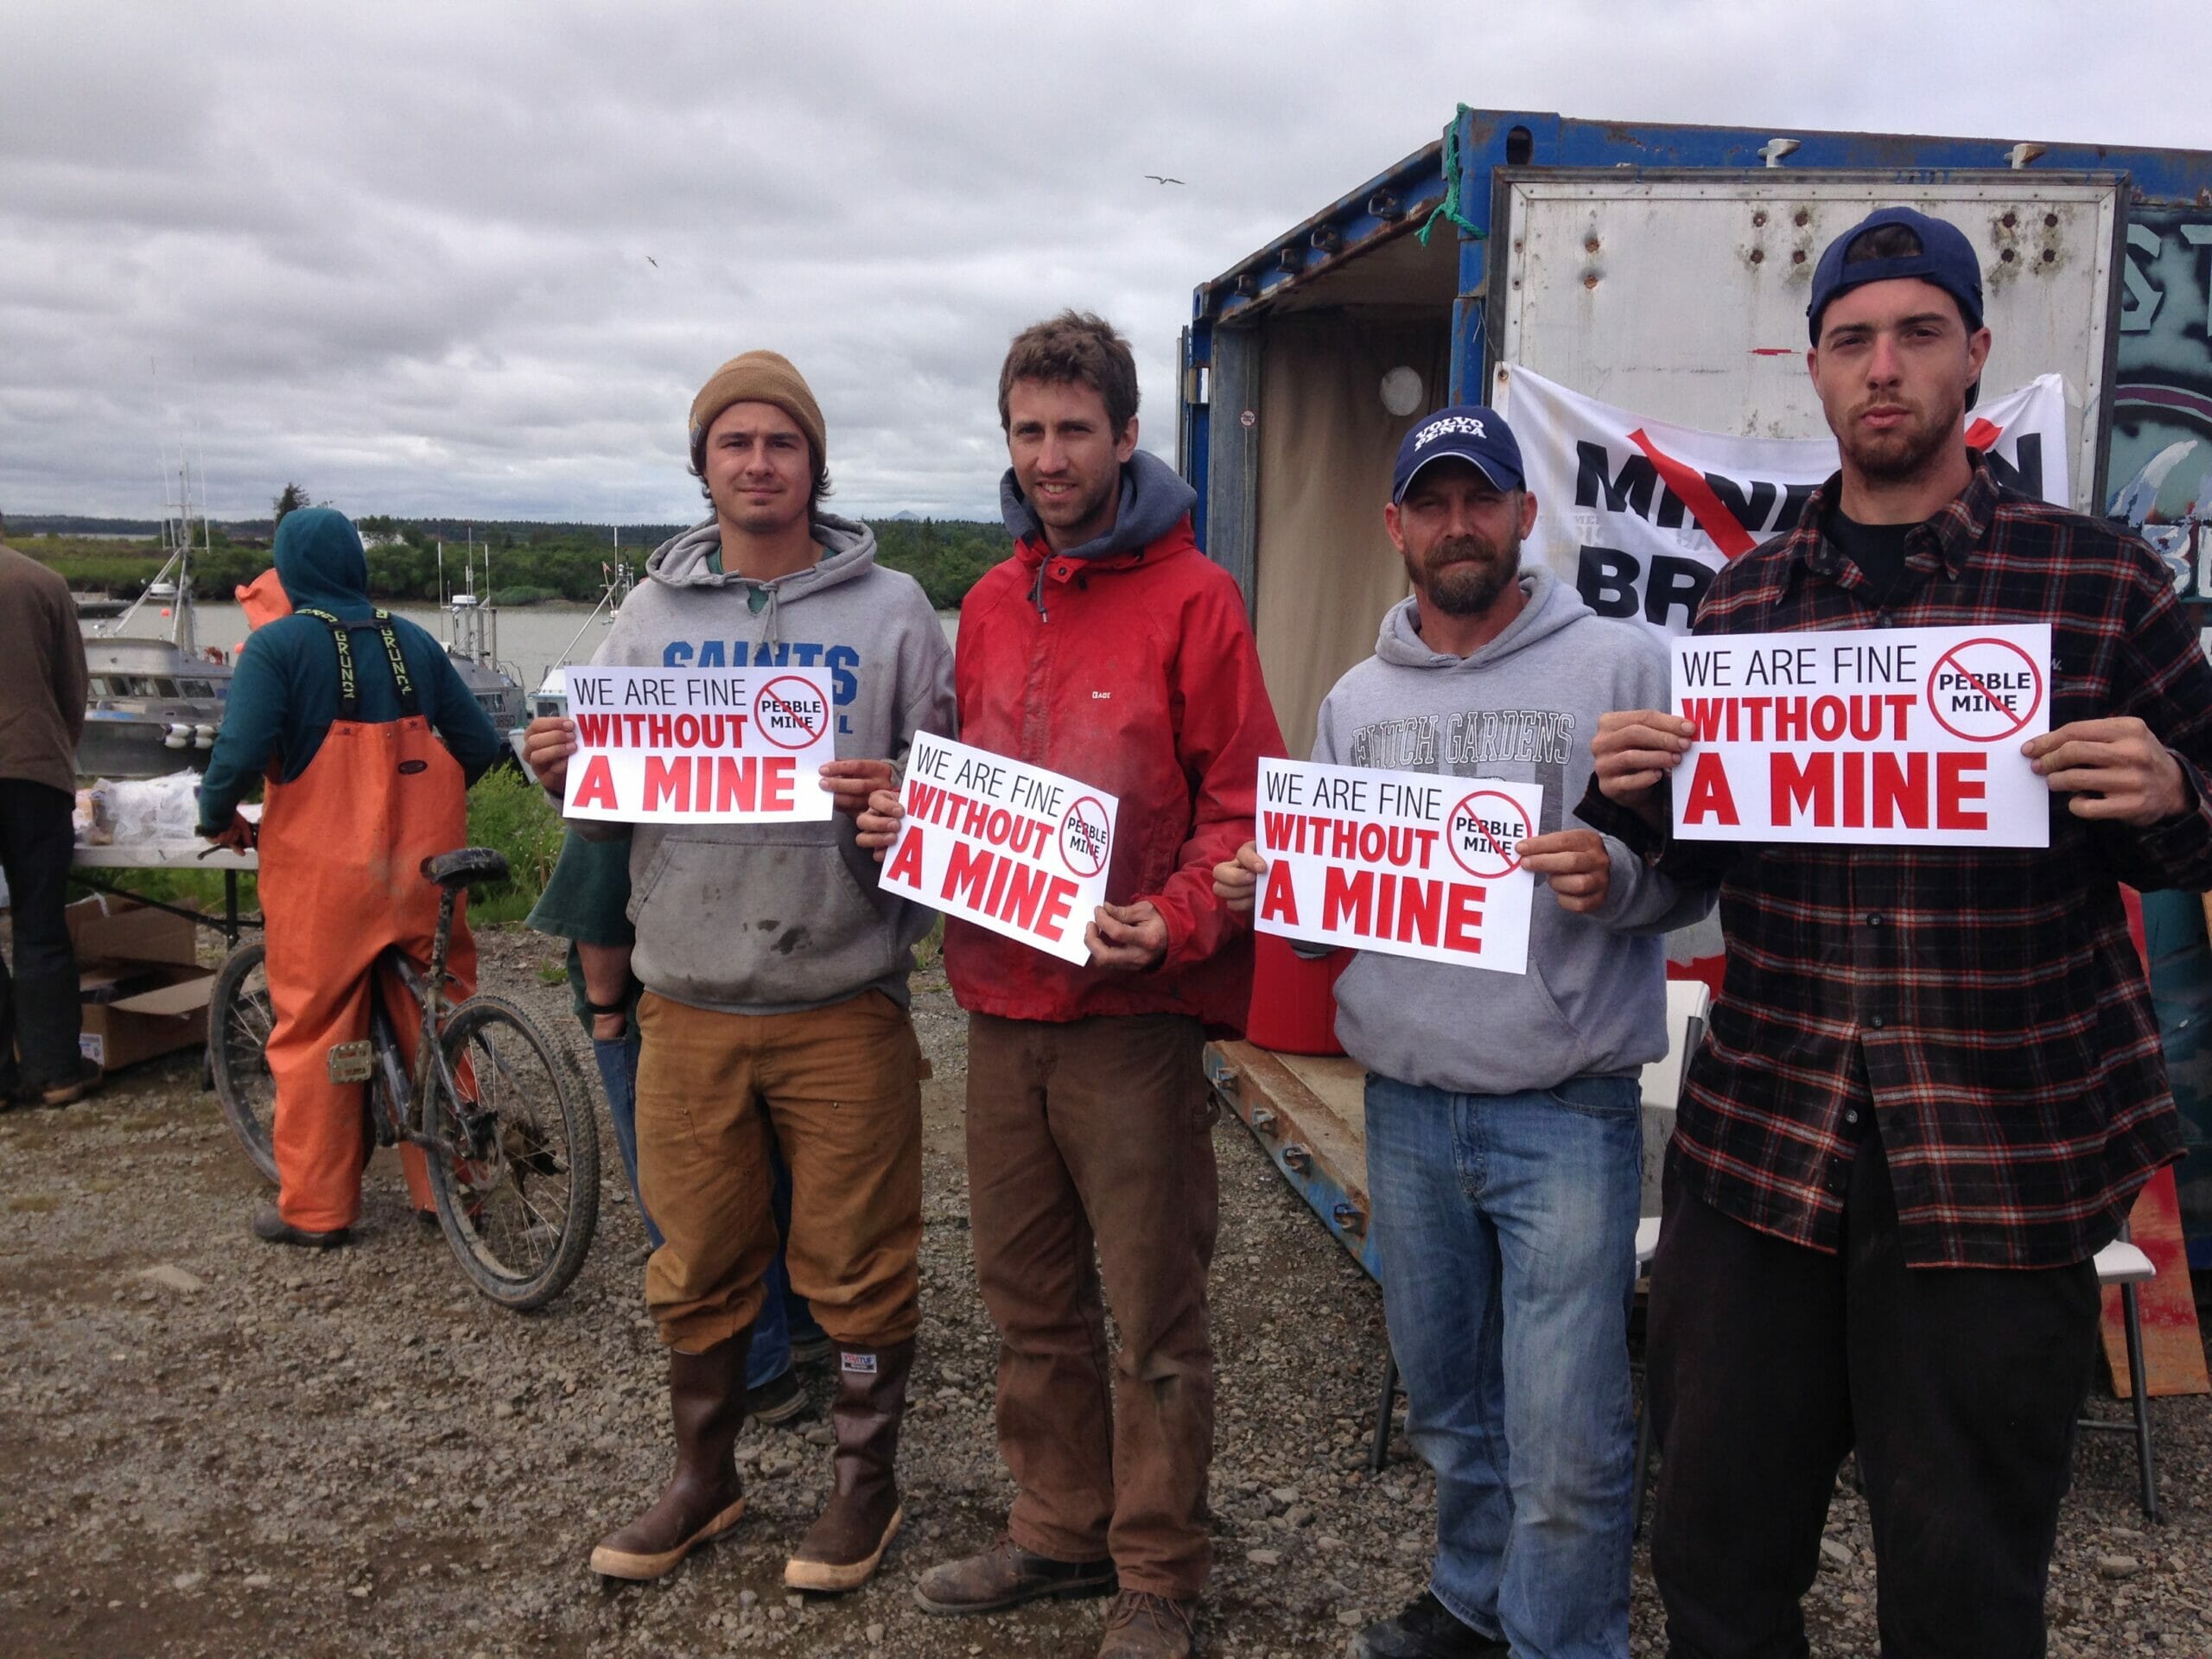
812, 1351
1006, 1575
778, 1400
1141, 1625
1426, 1630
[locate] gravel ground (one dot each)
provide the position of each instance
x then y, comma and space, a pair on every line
352, 1454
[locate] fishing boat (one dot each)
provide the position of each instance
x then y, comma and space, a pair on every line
470, 633
551, 697
153, 705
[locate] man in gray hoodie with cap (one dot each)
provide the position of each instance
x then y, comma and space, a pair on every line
775, 985
1504, 1144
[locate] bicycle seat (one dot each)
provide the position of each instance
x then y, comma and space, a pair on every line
465, 865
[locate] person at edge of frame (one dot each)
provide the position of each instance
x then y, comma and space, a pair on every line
1504, 1128
369, 740
1932, 1086
1109, 649
775, 976
42, 681
586, 902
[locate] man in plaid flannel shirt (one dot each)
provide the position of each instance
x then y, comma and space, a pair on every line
1932, 1085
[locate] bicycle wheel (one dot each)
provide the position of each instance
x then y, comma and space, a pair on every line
519, 1200
239, 1018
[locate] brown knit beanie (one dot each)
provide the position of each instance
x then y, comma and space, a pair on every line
757, 378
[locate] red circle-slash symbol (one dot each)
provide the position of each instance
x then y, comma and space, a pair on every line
1085, 839
1999, 686
1481, 841
797, 706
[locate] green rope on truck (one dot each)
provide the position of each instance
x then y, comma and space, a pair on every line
1449, 208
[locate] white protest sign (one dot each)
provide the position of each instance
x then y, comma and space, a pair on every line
1011, 847
1877, 736
1639, 513
699, 746
1409, 863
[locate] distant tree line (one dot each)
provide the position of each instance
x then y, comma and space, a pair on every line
530, 561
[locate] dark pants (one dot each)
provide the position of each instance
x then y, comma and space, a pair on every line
1959, 1388
1090, 1157
39, 1001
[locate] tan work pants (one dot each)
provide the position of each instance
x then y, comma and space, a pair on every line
1097, 1134
840, 1090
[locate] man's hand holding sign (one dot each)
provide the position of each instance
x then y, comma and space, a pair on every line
1013, 848
1411, 864
1891, 735
678, 745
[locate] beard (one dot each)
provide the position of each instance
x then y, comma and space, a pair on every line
1463, 576
1906, 452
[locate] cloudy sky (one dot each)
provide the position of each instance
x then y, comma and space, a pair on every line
405, 253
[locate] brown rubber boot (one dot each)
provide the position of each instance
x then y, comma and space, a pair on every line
704, 1498
841, 1549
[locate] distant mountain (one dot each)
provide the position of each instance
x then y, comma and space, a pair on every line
70, 523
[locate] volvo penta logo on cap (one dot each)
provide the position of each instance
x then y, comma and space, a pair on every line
1436, 429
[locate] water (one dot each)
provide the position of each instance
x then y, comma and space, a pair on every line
532, 637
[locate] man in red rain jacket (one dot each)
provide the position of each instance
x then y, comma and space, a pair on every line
1108, 648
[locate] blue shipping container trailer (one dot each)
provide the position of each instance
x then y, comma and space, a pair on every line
1658, 267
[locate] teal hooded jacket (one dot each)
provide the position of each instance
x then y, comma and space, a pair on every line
284, 695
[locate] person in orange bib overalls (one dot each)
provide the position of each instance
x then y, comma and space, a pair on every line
342, 707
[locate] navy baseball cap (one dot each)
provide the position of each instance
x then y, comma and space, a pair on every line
1466, 432
1946, 258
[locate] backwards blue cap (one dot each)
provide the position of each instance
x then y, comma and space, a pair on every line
1946, 258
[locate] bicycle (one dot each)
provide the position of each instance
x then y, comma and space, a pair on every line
512, 1146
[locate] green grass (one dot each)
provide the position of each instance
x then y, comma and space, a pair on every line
508, 811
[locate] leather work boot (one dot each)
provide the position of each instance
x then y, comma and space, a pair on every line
84, 1080
270, 1227
1140, 1625
841, 1549
1006, 1575
704, 1498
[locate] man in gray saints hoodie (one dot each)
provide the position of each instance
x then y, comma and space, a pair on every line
775, 985
1503, 1140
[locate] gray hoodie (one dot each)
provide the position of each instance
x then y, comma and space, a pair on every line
765, 918
1523, 707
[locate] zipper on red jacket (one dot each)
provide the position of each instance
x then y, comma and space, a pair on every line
1036, 709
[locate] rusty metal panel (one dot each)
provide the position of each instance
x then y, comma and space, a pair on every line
1681, 295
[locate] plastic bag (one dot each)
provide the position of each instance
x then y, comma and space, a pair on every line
153, 810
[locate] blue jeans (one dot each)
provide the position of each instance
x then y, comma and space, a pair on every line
781, 1312
1506, 1229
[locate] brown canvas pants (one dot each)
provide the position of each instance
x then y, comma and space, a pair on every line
1096, 1134
840, 1090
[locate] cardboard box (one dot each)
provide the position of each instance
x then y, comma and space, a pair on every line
146, 992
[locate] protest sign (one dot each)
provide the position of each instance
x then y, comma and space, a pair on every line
1877, 736
1011, 847
1409, 863
699, 746
1639, 513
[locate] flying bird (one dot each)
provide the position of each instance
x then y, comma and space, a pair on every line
654, 262
1161, 178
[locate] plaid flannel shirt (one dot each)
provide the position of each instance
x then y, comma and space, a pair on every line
1985, 1005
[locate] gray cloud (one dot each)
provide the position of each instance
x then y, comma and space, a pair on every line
400, 253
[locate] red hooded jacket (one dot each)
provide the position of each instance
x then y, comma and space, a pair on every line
1135, 672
